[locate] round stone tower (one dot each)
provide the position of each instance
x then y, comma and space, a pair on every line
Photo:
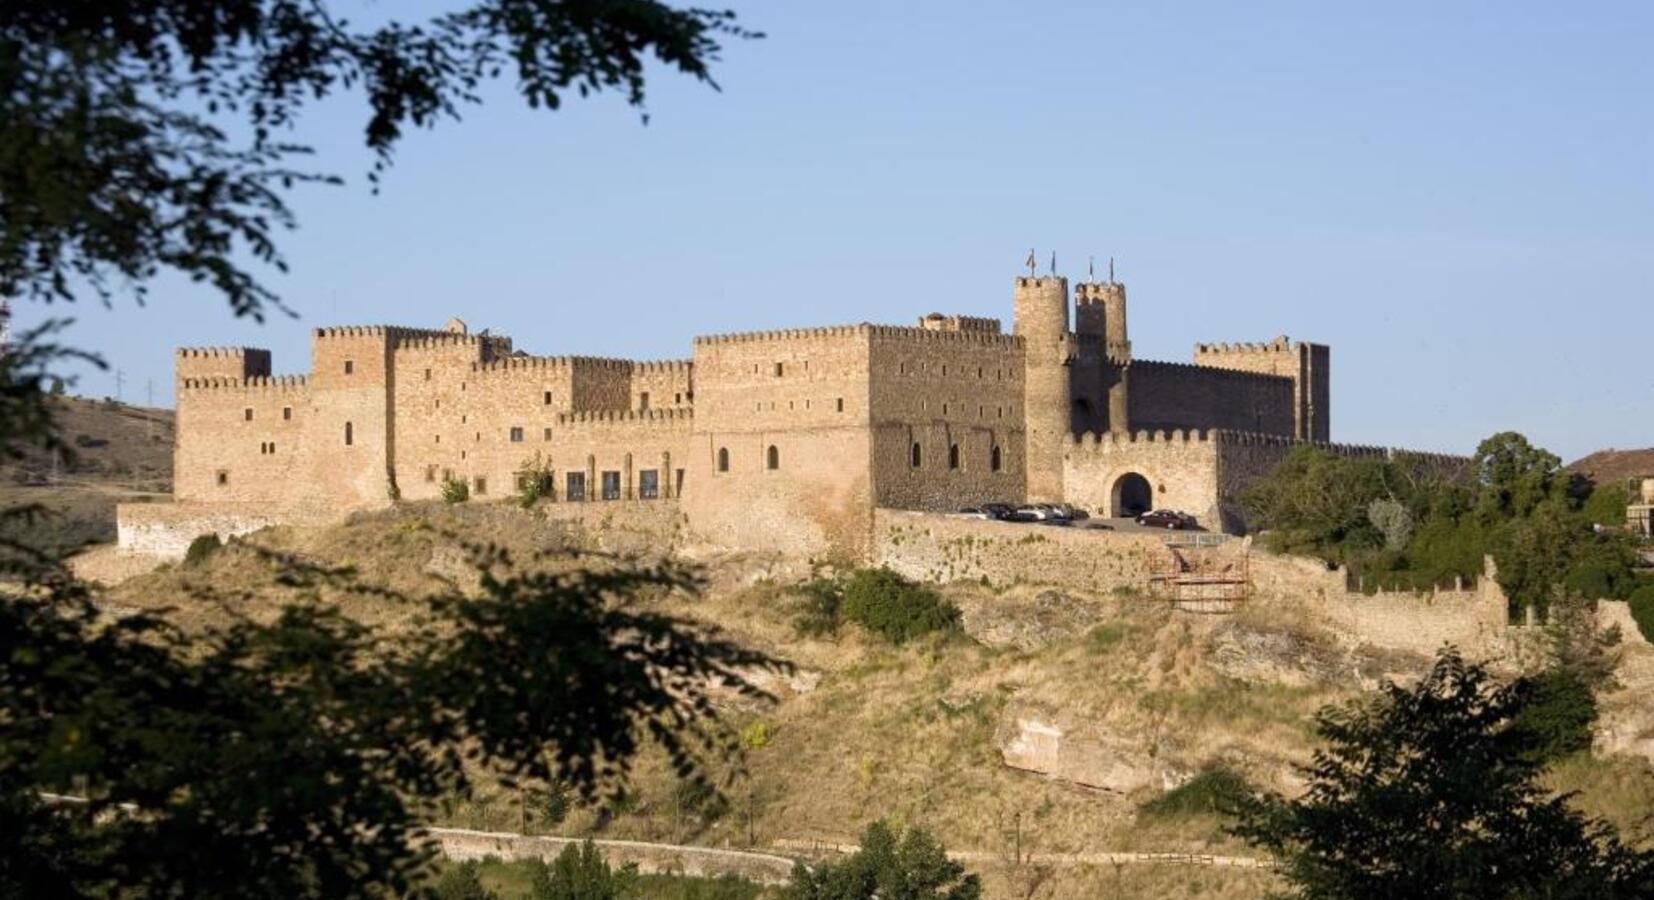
1040, 310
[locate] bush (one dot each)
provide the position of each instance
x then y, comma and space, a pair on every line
1214, 790
894, 608
455, 490
911, 866
1642, 610
460, 882
201, 548
532, 484
1555, 719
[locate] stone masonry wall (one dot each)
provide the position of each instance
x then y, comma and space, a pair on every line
1164, 396
1308, 365
935, 547
1180, 467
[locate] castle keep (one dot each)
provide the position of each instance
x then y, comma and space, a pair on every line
784, 439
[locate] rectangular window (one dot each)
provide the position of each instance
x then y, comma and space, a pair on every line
350, 366
427, 374
548, 434
677, 398
779, 368
247, 414
611, 485
841, 404
576, 491
648, 484
643, 401
481, 487
286, 413
223, 477
430, 473
516, 434
548, 398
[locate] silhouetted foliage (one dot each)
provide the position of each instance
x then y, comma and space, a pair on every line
1642, 610
298, 757
118, 150
459, 881
1432, 792
201, 549
912, 866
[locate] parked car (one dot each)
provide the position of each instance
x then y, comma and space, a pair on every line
998, 510
1032, 512
974, 512
1166, 518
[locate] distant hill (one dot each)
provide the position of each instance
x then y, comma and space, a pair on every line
1605, 466
119, 453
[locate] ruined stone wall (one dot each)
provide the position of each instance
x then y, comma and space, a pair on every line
805, 394
1308, 365
1474, 618
165, 530
933, 547
1164, 396
698, 862
958, 396
1181, 469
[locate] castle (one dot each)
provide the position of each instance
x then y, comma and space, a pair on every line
786, 440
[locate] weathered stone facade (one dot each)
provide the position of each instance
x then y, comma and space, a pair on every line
786, 440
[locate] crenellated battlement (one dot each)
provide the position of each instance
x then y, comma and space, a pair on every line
667, 416
914, 335
1089, 292
1208, 371
664, 367
1108, 441
515, 363
279, 383
218, 352
440, 340
978, 324
394, 332
787, 334
1280, 344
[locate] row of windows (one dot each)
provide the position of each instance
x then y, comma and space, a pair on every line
286, 414
916, 457
838, 405
574, 491
904, 368
772, 458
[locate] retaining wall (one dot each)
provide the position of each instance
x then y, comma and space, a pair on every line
943, 548
702, 862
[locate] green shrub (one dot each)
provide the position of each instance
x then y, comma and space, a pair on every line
532, 484
895, 608
1556, 716
455, 490
460, 882
1106, 635
201, 548
1642, 610
1214, 790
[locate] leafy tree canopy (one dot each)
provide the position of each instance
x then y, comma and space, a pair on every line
912, 866
1432, 792
117, 157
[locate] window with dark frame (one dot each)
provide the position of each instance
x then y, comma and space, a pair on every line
350, 434
286, 413
993, 459
611, 485
648, 484
516, 434
953, 456
916, 455
575, 487
247, 414
772, 458
350, 366
723, 459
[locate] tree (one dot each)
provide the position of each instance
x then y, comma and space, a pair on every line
912, 866
460, 882
578, 873
1432, 792
300, 757
1514, 476
118, 150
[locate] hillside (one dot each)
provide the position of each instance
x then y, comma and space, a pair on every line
1142, 698
118, 453
1607, 466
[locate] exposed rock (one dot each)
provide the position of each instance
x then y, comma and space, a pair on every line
1035, 742
1028, 623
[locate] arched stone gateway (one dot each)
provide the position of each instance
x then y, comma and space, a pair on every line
1132, 494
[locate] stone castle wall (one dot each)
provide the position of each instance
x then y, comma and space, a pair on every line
1164, 396
938, 548
1308, 365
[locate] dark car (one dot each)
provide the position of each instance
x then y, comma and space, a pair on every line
1001, 511
1166, 518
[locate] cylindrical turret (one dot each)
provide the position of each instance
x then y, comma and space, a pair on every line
1114, 317
1041, 311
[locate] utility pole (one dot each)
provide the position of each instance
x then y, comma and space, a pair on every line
120, 379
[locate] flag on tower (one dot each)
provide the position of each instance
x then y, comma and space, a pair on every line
1030, 263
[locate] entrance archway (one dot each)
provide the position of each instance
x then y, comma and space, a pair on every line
1132, 495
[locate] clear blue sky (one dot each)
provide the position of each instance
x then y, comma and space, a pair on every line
1459, 198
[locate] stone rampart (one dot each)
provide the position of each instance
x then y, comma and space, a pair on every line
934, 547
651, 859
165, 530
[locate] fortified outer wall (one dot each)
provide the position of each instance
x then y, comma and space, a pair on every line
240, 440
224, 363
1475, 619
779, 456
947, 417
1308, 365
932, 547
1163, 396
165, 530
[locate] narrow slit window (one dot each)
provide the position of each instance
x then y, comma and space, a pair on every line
723, 459
953, 456
350, 434
772, 458
916, 455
